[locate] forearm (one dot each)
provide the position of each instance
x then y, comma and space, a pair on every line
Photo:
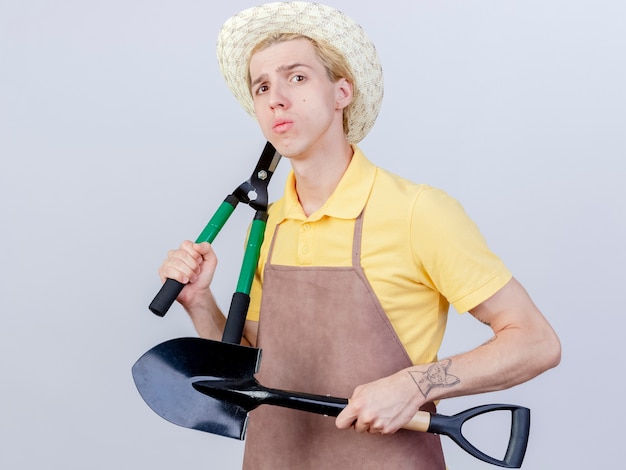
524, 345
506, 360
207, 318
209, 322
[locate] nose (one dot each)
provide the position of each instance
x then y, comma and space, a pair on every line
278, 98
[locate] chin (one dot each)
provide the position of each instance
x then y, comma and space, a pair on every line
288, 149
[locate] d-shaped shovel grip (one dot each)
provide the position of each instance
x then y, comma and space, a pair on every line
451, 426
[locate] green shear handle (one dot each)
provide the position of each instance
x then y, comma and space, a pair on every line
254, 193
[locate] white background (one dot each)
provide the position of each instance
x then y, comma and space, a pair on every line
119, 138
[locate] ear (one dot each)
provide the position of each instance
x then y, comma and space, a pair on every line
344, 93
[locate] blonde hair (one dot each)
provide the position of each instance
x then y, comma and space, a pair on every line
333, 61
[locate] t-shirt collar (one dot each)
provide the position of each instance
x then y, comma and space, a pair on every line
348, 199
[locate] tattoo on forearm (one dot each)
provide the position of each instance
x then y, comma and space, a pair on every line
436, 376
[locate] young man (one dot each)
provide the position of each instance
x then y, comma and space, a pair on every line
358, 266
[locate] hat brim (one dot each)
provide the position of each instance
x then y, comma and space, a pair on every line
242, 32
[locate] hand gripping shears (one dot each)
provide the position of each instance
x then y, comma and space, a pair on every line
252, 192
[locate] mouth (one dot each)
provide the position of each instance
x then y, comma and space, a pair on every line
282, 125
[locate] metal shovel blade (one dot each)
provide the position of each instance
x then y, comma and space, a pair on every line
165, 374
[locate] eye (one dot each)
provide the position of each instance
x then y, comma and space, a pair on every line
297, 78
261, 89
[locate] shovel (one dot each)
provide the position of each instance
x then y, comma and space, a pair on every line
210, 386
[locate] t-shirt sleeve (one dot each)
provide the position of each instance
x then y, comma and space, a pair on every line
452, 254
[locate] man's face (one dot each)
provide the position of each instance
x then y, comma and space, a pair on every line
298, 108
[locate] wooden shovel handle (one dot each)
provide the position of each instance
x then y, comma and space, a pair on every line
419, 422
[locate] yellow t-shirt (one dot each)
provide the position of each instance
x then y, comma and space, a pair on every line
420, 251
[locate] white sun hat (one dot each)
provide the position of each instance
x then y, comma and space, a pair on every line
241, 33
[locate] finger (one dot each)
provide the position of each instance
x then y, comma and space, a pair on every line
361, 425
204, 249
375, 430
346, 419
177, 270
181, 266
361, 428
195, 250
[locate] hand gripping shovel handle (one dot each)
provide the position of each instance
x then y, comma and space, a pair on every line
249, 394
424, 421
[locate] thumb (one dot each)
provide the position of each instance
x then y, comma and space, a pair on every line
346, 418
205, 250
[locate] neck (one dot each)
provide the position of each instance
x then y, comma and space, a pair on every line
318, 176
